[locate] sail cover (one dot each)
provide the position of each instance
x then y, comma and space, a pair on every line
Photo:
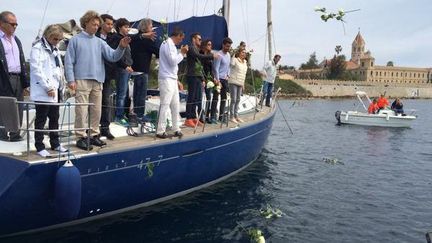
211, 27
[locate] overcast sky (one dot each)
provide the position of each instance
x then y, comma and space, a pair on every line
396, 30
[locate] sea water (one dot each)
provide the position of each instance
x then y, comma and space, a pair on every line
332, 184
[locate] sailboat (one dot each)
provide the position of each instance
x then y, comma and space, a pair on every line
129, 173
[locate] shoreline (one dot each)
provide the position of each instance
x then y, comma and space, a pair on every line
347, 89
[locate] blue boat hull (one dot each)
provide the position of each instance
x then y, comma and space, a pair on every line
127, 179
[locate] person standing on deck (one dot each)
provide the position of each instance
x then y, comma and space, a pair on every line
169, 58
269, 74
85, 73
46, 86
221, 72
13, 78
206, 48
123, 70
195, 79
105, 33
143, 46
236, 82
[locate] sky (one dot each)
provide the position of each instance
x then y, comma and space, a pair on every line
394, 30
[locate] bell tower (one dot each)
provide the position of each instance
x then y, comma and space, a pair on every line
358, 48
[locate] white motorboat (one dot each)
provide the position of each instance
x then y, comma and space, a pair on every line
384, 118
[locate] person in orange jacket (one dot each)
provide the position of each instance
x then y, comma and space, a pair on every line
373, 107
383, 102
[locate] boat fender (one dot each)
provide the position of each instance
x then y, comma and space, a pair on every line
67, 197
337, 115
387, 116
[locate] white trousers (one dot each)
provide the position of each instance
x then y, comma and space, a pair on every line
169, 100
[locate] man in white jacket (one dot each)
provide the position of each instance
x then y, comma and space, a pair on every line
269, 74
169, 58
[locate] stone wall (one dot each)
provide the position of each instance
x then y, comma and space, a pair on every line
337, 88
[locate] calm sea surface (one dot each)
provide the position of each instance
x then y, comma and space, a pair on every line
379, 191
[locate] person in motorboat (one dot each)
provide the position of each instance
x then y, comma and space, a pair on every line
397, 107
46, 82
373, 107
383, 103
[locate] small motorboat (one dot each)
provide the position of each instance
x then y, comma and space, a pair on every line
384, 118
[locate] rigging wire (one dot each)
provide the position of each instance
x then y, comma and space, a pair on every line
247, 22
168, 9
178, 11
244, 22
43, 19
174, 13
148, 8
205, 5
111, 5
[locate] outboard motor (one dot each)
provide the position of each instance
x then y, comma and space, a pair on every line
337, 115
67, 197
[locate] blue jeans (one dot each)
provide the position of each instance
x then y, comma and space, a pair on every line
235, 93
140, 93
267, 92
122, 89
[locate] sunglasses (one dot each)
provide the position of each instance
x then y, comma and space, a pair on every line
12, 24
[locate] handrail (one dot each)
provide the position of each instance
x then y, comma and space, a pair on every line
65, 104
53, 104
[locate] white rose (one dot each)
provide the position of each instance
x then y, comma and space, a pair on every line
210, 84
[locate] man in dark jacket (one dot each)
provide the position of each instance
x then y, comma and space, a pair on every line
195, 79
105, 33
143, 46
123, 70
13, 78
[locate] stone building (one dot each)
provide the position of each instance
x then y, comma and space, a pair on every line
362, 65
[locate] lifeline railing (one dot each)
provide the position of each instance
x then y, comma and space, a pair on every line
14, 125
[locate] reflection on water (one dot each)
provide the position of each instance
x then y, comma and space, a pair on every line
380, 193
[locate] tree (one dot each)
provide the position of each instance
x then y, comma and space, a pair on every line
311, 63
287, 68
338, 49
390, 64
337, 67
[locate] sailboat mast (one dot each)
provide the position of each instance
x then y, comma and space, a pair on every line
269, 29
226, 11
